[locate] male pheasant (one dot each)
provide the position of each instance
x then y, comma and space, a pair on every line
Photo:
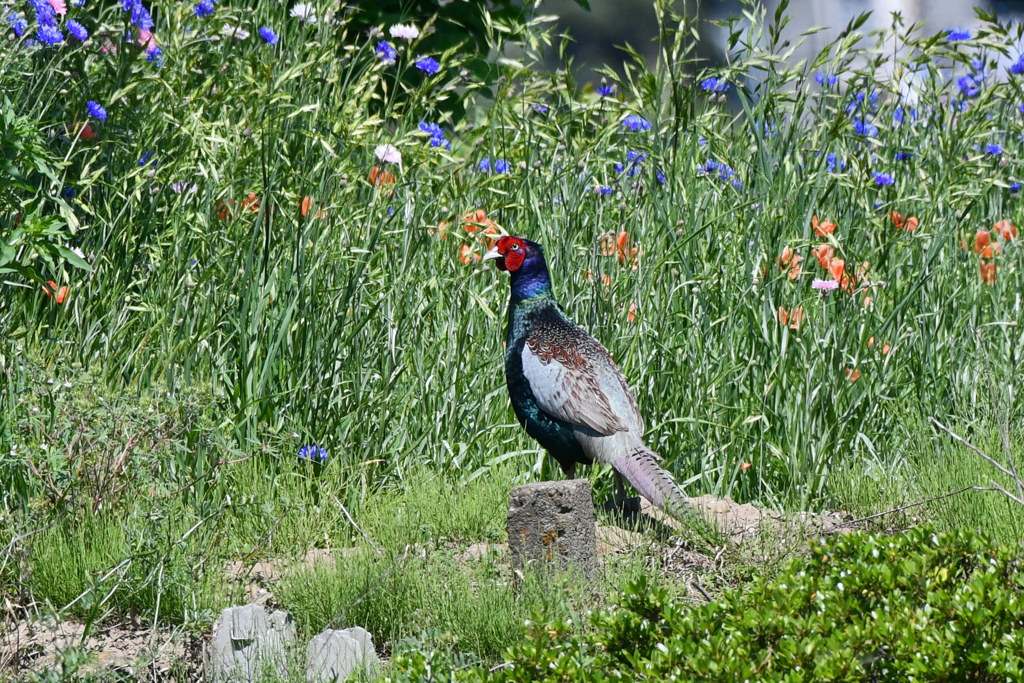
565, 388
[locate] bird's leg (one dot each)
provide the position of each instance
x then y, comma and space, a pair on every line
620, 491
570, 470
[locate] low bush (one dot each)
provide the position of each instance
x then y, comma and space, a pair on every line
917, 607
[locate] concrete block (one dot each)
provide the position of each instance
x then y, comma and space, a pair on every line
245, 641
334, 655
552, 523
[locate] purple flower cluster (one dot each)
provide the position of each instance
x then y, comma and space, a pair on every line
18, 24
724, 171
48, 32
204, 8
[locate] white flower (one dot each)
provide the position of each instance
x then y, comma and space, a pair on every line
405, 32
304, 12
389, 154
78, 252
824, 285
230, 31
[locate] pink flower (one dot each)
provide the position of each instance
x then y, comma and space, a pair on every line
824, 285
59, 7
146, 38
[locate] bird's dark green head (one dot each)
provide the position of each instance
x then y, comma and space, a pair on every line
524, 261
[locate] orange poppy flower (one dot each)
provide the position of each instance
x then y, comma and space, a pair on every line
744, 467
1006, 229
991, 251
787, 254
867, 302
606, 279
982, 239
824, 254
871, 342
378, 177
442, 228
897, 220
885, 350
306, 204
467, 255
85, 131
631, 315
58, 295
988, 272
911, 225
224, 208
620, 246
836, 267
852, 374
792, 318
792, 261
251, 202
823, 228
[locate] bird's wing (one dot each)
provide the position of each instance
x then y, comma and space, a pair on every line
564, 383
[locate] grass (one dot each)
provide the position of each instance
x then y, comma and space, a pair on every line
150, 418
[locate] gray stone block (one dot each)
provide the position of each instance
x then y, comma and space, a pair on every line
552, 523
334, 655
245, 640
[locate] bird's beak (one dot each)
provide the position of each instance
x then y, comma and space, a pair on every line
492, 255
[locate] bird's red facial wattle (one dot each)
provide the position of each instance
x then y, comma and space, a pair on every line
509, 252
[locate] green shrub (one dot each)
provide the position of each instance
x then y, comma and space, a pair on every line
917, 607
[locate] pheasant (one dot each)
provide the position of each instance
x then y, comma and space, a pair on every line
565, 388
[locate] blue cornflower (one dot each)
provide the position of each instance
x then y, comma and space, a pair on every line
432, 129
661, 177
822, 78
902, 156
1018, 66
485, 164
50, 35
427, 65
619, 167
957, 34
897, 115
204, 8
710, 166
18, 24
605, 191
638, 157
141, 18
882, 179
268, 35
313, 453
1015, 187
832, 161
145, 158
95, 110
79, 3
500, 166
69, 193
968, 86
1020, 108
636, 123
605, 90
387, 53
714, 85
44, 14
993, 149
540, 108
864, 128
77, 30
153, 55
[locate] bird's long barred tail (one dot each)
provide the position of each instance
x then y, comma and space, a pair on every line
640, 467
